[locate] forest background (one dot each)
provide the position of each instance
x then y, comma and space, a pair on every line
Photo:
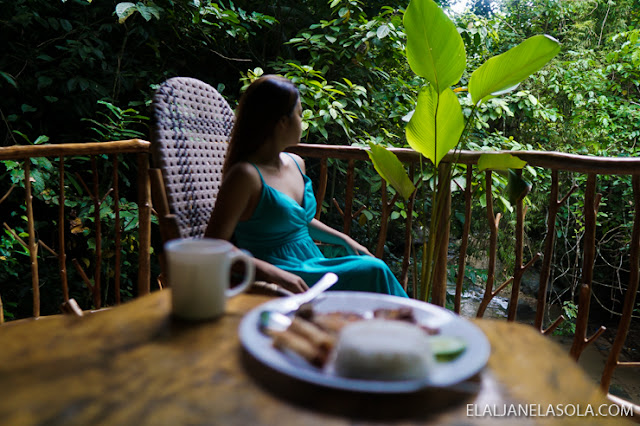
79, 71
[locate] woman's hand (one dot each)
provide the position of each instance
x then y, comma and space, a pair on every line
291, 282
354, 247
272, 274
326, 234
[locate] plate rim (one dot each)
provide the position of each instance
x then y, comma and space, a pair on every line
249, 329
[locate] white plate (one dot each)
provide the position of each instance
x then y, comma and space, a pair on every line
443, 374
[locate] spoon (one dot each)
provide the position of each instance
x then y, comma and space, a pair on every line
278, 320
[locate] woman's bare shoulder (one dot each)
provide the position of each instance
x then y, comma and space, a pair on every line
242, 173
298, 160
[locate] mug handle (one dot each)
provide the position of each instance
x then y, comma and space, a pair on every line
245, 257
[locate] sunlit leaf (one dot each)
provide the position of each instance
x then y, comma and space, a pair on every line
500, 162
436, 124
124, 10
435, 49
391, 169
383, 31
505, 71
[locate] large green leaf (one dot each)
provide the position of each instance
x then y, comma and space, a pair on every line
391, 169
436, 124
510, 68
435, 49
517, 187
501, 161
504, 163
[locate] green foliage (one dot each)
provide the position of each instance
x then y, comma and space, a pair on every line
80, 70
118, 123
66, 56
360, 58
568, 326
437, 125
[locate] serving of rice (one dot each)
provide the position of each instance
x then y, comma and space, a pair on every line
381, 349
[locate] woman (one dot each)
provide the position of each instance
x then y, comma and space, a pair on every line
266, 202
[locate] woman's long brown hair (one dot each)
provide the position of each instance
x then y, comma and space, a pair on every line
265, 101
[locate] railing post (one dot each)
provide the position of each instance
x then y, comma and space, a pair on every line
462, 256
33, 248
591, 204
322, 186
144, 220
630, 296
62, 251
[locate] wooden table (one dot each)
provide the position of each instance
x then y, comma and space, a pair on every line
136, 365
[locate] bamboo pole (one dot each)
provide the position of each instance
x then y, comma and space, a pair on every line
97, 274
591, 204
62, 254
348, 198
494, 221
118, 237
545, 271
6, 195
385, 212
462, 256
518, 270
404, 279
144, 227
33, 248
322, 187
387, 207
21, 152
551, 160
613, 360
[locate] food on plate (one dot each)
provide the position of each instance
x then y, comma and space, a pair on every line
309, 348
447, 348
392, 345
333, 322
382, 349
403, 313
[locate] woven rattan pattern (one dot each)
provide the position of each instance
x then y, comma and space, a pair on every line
192, 123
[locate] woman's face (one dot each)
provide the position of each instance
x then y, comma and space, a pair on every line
293, 126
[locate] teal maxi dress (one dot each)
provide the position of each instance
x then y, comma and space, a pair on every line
278, 233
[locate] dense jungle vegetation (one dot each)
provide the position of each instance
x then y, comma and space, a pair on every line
78, 71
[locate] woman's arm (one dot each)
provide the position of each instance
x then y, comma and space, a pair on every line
237, 198
326, 234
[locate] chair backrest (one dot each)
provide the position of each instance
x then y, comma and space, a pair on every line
192, 124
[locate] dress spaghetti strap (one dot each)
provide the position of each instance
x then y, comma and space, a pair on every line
261, 178
294, 160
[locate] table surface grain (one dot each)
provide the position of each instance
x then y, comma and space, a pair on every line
136, 365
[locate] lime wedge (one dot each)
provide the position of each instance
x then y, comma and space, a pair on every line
447, 348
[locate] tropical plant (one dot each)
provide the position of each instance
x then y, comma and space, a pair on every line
435, 51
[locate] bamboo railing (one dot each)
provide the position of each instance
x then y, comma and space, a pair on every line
592, 167
93, 149
555, 162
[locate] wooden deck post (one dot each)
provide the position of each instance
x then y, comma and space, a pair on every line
144, 219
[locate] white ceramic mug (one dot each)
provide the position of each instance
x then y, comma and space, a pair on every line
199, 275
